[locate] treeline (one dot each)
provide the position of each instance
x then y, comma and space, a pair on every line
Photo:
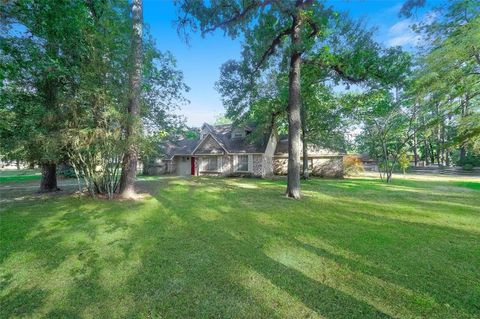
433, 115
300, 60
82, 83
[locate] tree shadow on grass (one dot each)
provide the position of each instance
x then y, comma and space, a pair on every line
399, 273
196, 270
21, 302
63, 247
236, 248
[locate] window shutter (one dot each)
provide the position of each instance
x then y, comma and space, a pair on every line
219, 163
250, 163
235, 161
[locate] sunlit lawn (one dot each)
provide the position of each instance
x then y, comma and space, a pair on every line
236, 248
8, 176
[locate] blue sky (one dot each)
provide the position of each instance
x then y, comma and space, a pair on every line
200, 61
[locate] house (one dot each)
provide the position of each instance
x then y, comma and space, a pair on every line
227, 150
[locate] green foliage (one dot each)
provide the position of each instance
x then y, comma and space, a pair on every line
387, 125
448, 75
66, 171
404, 162
222, 119
64, 97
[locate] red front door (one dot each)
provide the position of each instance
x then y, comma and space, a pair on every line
192, 165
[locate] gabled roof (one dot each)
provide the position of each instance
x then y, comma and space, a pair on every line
222, 134
204, 139
180, 147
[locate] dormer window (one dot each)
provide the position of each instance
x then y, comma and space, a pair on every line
238, 133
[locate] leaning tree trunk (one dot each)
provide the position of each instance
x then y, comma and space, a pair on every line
129, 164
305, 171
48, 183
294, 120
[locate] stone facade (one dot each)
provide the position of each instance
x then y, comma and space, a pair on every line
266, 157
257, 165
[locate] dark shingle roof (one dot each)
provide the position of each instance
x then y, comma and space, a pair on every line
221, 133
180, 147
237, 145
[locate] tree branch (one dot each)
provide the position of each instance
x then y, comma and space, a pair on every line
338, 70
239, 15
271, 48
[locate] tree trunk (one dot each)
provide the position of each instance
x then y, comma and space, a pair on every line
415, 146
442, 142
129, 164
48, 183
463, 154
432, 153
426, 151
145, 166
463, 150
415, 149
305, 172
438, 147
294, 120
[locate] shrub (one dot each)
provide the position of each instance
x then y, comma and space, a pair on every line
468, 167
352, 165
66, 171
403, 162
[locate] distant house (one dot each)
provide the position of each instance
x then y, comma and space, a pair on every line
225, 150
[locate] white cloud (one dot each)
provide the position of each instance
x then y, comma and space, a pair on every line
401, 34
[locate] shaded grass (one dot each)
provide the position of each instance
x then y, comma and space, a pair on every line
236, 248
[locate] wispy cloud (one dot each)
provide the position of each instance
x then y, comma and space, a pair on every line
401, 34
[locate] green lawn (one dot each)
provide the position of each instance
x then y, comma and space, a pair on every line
22, 175
236, 248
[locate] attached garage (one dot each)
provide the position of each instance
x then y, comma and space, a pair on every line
183, 165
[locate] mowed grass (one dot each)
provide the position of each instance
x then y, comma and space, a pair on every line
22, 175
236, 248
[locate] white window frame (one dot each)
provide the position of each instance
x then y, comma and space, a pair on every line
240, 166
249, 163
207, 163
